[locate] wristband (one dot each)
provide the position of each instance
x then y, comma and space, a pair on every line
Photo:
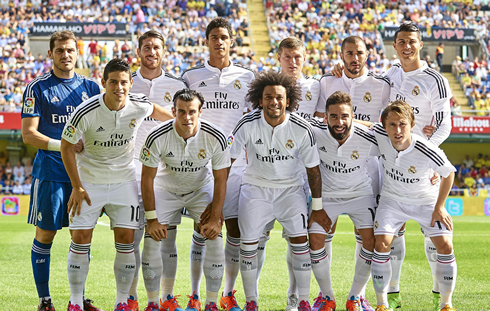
54, 145
316, 204
150, 215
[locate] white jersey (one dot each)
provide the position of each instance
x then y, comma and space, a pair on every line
310, 93
224, 92
160, 91
428, 93
343, 168
407, 173
185, 166
370, 93
108, 138
274, 153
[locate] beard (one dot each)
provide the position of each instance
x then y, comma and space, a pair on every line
340, 136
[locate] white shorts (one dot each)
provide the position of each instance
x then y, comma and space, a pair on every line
391, 215
120, 202
259, 206
361, 211
168, 204
233, 185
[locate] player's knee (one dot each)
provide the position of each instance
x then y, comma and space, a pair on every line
124, 235
368, 242
232, 228
44, 236
317, 241
82, 236
382, 243
445, 247
298, 240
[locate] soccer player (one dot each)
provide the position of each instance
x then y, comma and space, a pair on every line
48, 102
407, 193
159, 86
104, 173
344, 149
185, 147
370, 94
223, 85
279, 147
428, 93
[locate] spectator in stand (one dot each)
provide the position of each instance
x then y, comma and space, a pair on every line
468, 161
469, 181
462, 171
480, 106
18, 169
27, 186
17, 189
456, 109
7, 188
479, 161
10, 170
483, 171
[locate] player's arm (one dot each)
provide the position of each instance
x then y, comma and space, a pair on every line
441, 127
31, 136
156, 230
319, 114
440, 214
212, 228
160, 113
365, 123
78, 193
318, 214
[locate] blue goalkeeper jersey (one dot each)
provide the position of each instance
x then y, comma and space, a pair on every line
53, 100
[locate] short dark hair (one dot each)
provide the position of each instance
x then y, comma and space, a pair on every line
62, 36
271, 78
219, 22
337, 98
401, 108
188, 95
114, 65
150, 34
291, 43
408, 27
353, 40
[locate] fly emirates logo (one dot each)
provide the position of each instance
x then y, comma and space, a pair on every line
221, 101
116, 140
273, 156
62, 118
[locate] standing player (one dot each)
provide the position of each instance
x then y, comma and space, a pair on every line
428, 93
159, 87
223, 85
279, 147
185, 147
48, 102
104, 172
344, 148
408, 163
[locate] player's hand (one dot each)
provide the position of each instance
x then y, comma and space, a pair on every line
206, 215
211, 229
156, 230
442, 216
75, 202
337, 70
78, 146
428, 130
435, 178
322, 219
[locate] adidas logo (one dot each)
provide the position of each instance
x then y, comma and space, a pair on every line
202, 84
259, 142
322, 148
55, 99
170, 155
100, 129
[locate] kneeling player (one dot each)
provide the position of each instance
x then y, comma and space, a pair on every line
185, 146
407, 193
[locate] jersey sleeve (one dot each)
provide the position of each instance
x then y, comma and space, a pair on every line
237, 140
309, 151
438, 160
322, 99
221, 158
31, 101
150, 153
441, 111
76, 126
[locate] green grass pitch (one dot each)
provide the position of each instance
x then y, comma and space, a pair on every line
471, 243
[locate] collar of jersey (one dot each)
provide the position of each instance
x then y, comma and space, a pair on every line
358, 79
416, 71
105, 108
211, 68
138, 73
64, 81
279, 125
415, 137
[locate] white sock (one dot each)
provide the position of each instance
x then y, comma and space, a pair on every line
213, 267
293, 287
446, 272
302, 269
321, 270
77, 268
248, 270
362, 273
397, 256
431, 254
328, 247
261, 258
198, 250
381, 273
152, 267
232, 263
168, 251
138, 236
124, 267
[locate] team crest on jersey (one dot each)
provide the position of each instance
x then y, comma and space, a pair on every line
69, 132
202, 154
71, 220
39, 216
376, 225
289, 144
416, 91
412, 170
168, 97
308, 96
29, 105
132, 124
85, 96
229, 140
145, 154
367, 97
237, 85
354, 155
